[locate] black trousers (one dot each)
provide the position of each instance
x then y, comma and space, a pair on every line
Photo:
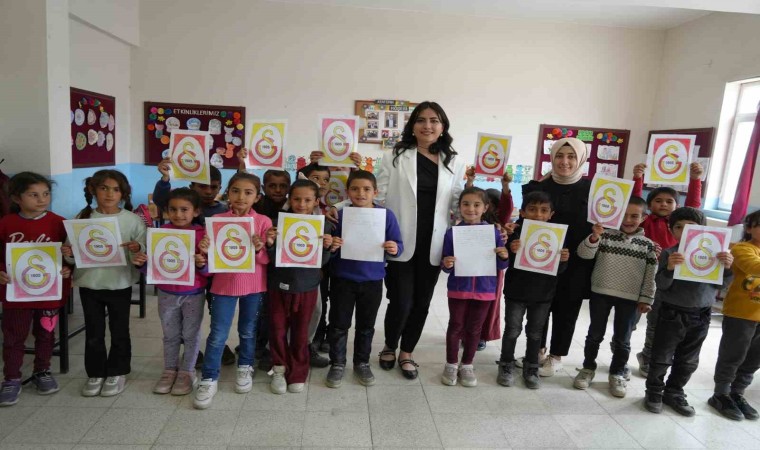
738, 355
324, 291
537, 315
410, 286
98, 362
345, 295
625, 316
678, 339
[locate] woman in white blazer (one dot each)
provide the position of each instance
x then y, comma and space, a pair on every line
420, 182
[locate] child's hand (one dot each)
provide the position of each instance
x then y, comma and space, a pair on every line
336, 243
501, 252
66, 251
564, 255
332, 214
448, 262
139, 259
470, 174
204, 244
200, 260
165, 168
505, 180
596, 232
511, 227
66, 271
638, 170
271, 236
696, 170
390, 247
514, 247
258, 244
132, 246
657, 250
328, 241
644, 308
4, 278
242, 155
726, 258
675, 259
315, 156
356, 158
502, 232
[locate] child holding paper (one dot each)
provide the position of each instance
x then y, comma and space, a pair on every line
469, 297
682, 323
739, 352
181, 307
623, 279
29, 221
230, 289
360, 284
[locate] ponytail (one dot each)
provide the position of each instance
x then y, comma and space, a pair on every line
86, 212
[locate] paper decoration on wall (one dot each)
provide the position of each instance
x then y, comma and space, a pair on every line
586, 135
604, 147
382, 121
700, 246
34, 270
608, 152
299, 240
337, 139
668, 159
541, 247
93, 129
336, 188
266, 145
171, 258
189, 156
230, 246
491, 154
96, 242
610, 170
608, 200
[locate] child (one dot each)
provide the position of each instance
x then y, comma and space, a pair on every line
469, 297
739, 353
682, 323
527, 294
662, 201
29, 221
360, 284
181, 307
292, 300
623, 279
108, 288
229, 289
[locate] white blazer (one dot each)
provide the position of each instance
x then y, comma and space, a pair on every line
397, 188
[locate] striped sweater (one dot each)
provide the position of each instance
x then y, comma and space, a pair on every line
625, 265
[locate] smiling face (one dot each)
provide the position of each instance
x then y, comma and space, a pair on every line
663, 205
242, 195
34, 201
540, 212
181, 212
427, 128
472, 208
565, 161
362, 193
634, 215
302, 200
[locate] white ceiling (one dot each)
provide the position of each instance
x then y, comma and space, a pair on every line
643, 14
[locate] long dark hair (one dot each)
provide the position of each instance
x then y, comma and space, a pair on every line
96, 180
442, 145
19, 183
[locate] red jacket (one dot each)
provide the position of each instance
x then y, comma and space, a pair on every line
655, 227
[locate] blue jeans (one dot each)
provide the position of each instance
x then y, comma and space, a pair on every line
625, 316
222, 309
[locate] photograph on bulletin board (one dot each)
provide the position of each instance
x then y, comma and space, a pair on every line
607, 149
93, 129
225, 124
382, 121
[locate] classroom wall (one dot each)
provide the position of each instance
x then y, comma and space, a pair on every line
118, 18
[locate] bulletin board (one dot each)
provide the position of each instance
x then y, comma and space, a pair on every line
705, 141
226, 125
382, 121
608, 149
93, 129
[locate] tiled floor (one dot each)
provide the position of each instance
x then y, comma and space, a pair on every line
393, 413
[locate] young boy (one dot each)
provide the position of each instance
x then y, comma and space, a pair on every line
682, 324
360, 284
527, 294
276, 185
623, 279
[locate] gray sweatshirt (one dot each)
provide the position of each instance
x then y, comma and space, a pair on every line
685, 294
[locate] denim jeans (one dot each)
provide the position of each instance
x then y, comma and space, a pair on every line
625, 316
222, 309
537, 315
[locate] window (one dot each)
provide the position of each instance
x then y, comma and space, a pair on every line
741, 131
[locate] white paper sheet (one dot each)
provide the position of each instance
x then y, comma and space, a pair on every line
363, 232
474, 251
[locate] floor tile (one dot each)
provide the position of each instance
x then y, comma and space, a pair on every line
337, 429
470, 430
397, 399
720, 434
596, 431
262, 399
534, 431
404, 430
63, 425
269, 428
128, 426
657, 431
198, 428
349, 397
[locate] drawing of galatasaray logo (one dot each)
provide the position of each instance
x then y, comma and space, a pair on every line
490, 159
35, 276
170, 258
96, 245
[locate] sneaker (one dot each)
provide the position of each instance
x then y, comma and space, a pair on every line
315, 359
653, 403
295, 388
278, 385
199, 361
113, 386
679, 404
9, 392
741, 403
549, 366
335, 375
228, 358
244, 379
583, 379
531, 378
364, 373
467, 375
165, 383
726, 406
205, 393
618, 385
506, 376
627, 373
481, 345
45, 383
449, 377
92, 387
184, 383
643, 364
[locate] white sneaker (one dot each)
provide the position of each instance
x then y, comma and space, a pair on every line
449, 377
205, 393
295, 388
113, 386
618, 385
583, 379
244, 381
549, 367
467, 375
92, 387
278, 385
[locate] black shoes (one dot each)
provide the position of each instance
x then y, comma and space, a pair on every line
364, 373
679, 404
315, 359
748, 411
726, 406
335, 375
387, 365
408, 374
653, 402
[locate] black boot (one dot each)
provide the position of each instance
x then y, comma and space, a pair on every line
315, 359
530, 375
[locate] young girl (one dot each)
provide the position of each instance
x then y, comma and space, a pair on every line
293, 298
181, 307
29, 221
108, 288
229, 289
739, 352
469, 297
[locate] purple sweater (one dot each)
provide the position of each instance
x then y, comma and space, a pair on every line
472, 288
